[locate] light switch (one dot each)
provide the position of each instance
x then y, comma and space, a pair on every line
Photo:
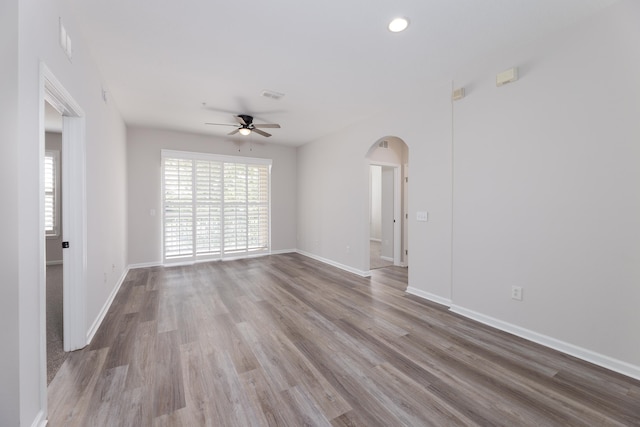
152, 212
422, 216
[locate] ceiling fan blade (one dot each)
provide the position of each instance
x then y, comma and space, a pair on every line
266, 125
260, 132
233, 132
241, 120
220, 124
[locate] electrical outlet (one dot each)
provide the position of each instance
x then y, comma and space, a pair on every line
516, 293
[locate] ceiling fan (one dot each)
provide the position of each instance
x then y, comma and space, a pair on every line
246, 126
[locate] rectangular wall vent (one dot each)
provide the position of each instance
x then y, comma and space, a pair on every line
272, 95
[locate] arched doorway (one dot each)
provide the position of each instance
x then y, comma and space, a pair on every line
388, 203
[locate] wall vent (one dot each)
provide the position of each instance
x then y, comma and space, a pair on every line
272, 95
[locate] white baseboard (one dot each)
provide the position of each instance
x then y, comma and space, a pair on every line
145, 265
386, 258
39, 420
360, 273
376, 240
192, 262
429, 296
276, 252
55, 262
573, 350
105, 308
283, 251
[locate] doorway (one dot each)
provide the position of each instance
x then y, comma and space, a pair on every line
388, 202
72, 219
53, 234
382, 216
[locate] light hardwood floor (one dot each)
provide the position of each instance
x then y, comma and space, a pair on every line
284, 340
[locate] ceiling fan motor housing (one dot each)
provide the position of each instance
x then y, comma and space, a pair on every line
248, 120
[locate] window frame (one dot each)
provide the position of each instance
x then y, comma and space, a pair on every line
194, 256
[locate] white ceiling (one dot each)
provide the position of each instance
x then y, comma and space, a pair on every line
334, 59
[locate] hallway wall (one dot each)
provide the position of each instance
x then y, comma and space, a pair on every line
31, 30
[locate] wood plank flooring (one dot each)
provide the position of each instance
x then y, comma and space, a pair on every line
284, 340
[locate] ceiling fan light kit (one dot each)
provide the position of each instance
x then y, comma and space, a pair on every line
246, 126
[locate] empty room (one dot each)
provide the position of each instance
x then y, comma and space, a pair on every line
335, 214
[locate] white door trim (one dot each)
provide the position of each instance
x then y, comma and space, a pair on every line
74, 217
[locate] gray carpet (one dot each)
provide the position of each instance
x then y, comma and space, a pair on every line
55, 353
374, 260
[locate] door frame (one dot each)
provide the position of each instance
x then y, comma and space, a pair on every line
74, 215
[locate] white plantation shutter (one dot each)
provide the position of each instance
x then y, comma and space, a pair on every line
257, 207
235, 207
51, 191
208, 207
214, 205
178, 208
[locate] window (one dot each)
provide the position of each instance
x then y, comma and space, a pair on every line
51, 193
214, 206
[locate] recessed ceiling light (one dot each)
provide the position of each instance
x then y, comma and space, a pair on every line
398, 24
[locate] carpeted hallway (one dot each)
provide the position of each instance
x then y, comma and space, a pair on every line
55, 353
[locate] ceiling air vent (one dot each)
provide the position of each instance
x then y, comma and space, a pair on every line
272, 95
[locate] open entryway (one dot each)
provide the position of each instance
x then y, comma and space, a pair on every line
382, 216
388, 184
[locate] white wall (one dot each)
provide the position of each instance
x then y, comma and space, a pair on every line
144, 146
106, 189
333, 207
9, 272
546, 187
545, 196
